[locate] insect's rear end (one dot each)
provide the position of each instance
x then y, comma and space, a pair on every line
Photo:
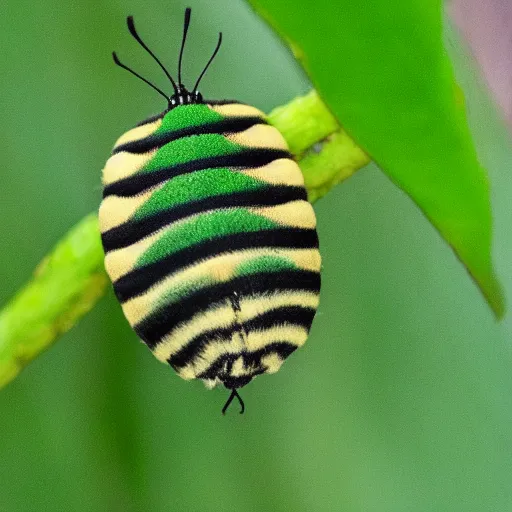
209, 239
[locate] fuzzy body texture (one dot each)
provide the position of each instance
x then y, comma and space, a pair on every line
210, 241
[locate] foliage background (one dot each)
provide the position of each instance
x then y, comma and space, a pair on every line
400, 401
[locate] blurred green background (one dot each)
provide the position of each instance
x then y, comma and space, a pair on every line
401, 399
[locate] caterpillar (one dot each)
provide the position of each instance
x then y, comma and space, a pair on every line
209, 240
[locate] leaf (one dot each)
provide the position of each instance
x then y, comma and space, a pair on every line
382, 69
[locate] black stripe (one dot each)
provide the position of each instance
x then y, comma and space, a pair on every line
155, 141
139, 182
285, 315
251, 360
134, 230
164, 320
140, 279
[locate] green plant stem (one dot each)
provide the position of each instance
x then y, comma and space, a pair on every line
65, 286
326, 154
71, 279
304, 121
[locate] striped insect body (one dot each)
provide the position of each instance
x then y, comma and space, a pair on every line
209, 239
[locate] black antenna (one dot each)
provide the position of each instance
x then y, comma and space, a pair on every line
119, 63
206, 67
230, 399
188, 10
133, 32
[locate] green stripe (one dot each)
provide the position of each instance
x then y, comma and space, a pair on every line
265, 263
191, 148
186, 116
204, 227
195, 186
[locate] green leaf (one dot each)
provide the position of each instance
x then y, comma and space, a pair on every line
382, 69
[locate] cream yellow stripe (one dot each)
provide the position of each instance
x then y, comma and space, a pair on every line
295, 334
120, 262
123, 164
259, 136
218, 269
298, 214
273, 362
223, 316
115, 210
255, 340
237, 110
255, 306
140, 132
238, 369
278, 172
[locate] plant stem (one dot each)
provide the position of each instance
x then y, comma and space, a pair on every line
65, 286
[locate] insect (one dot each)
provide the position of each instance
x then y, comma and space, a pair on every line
209, 239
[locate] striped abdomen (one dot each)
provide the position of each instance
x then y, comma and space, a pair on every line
210, 241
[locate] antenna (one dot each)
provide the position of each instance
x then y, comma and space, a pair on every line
120, 64
230, 399
133, 32
204, 71
188, 11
